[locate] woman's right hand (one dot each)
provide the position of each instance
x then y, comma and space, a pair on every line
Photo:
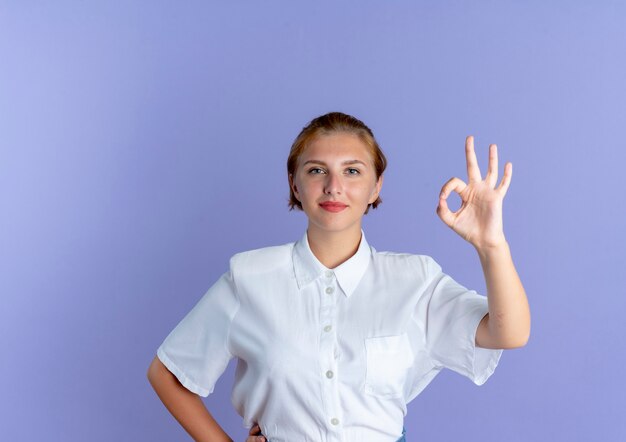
253, 434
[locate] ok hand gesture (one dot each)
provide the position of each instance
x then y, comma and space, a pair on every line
479, 219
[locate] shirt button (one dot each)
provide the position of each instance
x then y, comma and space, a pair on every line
329, 290
328, 328
329, 374
329, 274
334, 421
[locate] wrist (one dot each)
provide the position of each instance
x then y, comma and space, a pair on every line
492, 248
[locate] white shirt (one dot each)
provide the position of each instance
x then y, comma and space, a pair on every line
331, 355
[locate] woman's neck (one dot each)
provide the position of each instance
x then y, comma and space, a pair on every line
334, 248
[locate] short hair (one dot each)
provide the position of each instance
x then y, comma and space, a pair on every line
334, 122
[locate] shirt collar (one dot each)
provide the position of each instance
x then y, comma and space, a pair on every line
308, 268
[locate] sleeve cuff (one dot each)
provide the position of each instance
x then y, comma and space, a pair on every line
484, 360
185, 380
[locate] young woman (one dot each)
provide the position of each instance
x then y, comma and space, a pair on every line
332, 337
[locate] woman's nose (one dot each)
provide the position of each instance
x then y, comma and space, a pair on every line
333, 184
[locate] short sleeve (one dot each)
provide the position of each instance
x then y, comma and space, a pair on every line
197, 350
451, 314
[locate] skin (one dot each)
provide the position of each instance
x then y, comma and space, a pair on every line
479, 221
335, 237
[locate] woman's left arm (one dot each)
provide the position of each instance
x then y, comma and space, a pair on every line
479, 221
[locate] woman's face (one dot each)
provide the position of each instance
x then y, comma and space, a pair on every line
336, 168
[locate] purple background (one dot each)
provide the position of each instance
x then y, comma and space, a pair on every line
144, 143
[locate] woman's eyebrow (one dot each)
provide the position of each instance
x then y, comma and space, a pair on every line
347, 162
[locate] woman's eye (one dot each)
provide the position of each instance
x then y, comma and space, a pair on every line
351, 171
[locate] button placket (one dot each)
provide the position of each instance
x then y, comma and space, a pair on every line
328, 292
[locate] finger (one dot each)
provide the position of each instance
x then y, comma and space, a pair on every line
506, 179
473, 172
255, 429
492, 171
454, 184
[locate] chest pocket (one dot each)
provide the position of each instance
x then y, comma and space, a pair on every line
388, 360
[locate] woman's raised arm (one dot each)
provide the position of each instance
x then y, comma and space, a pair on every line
479, 221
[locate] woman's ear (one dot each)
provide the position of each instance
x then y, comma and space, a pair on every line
293, 185
377, 188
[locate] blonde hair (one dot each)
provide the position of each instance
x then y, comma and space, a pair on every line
329, 123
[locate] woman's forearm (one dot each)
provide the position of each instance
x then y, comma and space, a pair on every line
186, 406
509, 313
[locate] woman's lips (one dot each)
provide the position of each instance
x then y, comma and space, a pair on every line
333, 207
